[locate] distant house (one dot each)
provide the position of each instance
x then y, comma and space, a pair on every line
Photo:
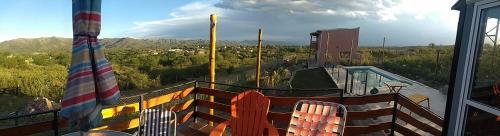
175, 50
332, 45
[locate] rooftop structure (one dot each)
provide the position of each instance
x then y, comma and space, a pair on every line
333, 45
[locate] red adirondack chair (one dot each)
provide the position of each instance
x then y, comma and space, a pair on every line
248, 116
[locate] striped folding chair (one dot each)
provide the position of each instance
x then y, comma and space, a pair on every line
311, 118
157, 122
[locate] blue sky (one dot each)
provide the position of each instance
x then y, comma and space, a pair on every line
404, 22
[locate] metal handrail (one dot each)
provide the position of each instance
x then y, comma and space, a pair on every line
273, 89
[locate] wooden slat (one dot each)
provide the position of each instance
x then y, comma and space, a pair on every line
31, 128
359, 115
414, 122
120, 126
357, 130
217, 93
419, 110
214, 105
368, 99
209, 117
182, 106
280, 116
184, 118
290, 101
405, 131
281, 131
168, 97
113, 111
133, 123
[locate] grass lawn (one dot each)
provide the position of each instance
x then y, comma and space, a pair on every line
315, 78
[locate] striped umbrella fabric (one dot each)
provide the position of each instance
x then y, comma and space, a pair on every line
91, 82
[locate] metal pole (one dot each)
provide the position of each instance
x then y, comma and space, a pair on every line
259, 50
495, 42
213, 37
352, 81
345, 86
394, 113
326, 51
195, 99
346, 80
350, 52
366, 82
55, 123
309, 53
141, 103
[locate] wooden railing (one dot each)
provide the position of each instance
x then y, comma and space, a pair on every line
193, 108
280, 118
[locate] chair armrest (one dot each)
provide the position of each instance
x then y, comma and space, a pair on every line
272, 131
219, 129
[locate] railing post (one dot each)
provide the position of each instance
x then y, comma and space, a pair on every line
55, 123
141, 103
394, 113
195, 101
346, 80
366, 81
16, 121
352, 81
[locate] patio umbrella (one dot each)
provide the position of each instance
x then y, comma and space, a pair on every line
91, 82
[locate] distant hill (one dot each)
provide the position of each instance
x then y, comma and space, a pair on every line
55, 43
35, 45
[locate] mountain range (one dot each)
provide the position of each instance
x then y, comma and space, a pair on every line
23, 45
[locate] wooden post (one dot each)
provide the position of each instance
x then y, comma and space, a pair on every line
257, 72
213, 38
383, 46
437, 61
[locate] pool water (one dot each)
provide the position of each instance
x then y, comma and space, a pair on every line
363, 79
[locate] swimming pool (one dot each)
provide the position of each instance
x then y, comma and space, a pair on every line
363, 80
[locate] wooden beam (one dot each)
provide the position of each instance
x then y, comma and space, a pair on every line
360, 115
290, 101
31, 128
167, 98
217, 93
209, 117
217, 106
405, 131
358, 130
368, 99
414, 122
280, 116
419, 110
120, 126
113, 111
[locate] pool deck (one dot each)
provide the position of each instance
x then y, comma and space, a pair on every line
437, 99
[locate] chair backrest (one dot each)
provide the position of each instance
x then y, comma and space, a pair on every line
157, 122
248, 114
317, 118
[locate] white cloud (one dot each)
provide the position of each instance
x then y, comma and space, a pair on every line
293, 20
